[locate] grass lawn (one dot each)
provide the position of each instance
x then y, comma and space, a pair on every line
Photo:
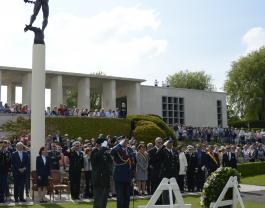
195, 201
258, 180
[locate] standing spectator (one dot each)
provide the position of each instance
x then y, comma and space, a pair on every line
5, 163
20, 165
43, 172
229, 158
245, 153
88, 172
252, 154
76, 163
260, 153
183, 164
192, 161
141, 169
54, 156
102, 169
200, 167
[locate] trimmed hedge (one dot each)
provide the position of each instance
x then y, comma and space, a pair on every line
147, 131
159, 122
251, 168
74, 126
247, 124
214, 186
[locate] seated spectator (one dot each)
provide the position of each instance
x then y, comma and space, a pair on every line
54, 111
102, 113
109, 114
61, 110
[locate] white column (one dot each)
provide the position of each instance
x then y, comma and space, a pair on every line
11, 93
0, 86
83, 94
56, 91
109, 95
133, 99
37, 102
26, 89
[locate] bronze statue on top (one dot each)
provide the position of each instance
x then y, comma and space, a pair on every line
45, 10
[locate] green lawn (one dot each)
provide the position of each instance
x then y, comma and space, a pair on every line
195, 201
258, 180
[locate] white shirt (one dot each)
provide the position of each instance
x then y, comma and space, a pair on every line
44, 159
20, 155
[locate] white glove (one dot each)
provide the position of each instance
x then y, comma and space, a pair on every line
203, 168
104, 144
122, 142
165, 144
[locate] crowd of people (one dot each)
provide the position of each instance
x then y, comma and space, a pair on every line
117, 166
63, 110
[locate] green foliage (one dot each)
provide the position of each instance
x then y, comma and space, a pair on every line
191, 80
247, 124
74, 126
95, 101
147, 131
245, 86
71, 98
159, 122
251, 169
214, 185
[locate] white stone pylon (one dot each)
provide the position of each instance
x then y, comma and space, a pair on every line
37, 102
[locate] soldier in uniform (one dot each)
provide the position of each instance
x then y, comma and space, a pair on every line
76, 163
123, 159
54, 156
192, 161
169, 165
5, 163
102, 169
155, 164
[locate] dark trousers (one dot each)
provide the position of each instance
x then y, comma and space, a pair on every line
88, 188
200, 179
75, 184
123, 194
180, 181
19, 184
100, 195
190, 180
3, 186
155, 181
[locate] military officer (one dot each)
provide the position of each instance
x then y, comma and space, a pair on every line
102, 169
123, 159
5, 163
76, 163
192, 161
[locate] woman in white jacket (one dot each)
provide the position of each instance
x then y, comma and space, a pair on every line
182, 168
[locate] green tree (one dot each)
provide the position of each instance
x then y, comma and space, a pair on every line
71, 97
245, 86
191, 80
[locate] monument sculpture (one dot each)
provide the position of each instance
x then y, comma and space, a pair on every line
39, 33
38, 79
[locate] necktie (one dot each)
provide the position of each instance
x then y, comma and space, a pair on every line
21, 156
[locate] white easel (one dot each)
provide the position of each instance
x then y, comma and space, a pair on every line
232, 183
169, 185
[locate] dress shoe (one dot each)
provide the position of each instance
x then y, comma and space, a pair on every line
23, 200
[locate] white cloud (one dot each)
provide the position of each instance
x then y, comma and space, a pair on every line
111, 41
254, 39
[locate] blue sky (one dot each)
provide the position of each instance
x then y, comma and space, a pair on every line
147, 39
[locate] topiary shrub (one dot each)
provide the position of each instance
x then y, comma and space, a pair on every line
251, 168
147, 131
214, 185
159, 122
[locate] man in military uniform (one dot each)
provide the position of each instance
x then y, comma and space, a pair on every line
212, 162
5, 163
102, 169
169, 165
192, 161
54, 156
123, 172
76, 163
155, 164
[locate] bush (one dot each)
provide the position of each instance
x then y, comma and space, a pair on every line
215, 184
74, 126
147, 131
251, 169
159, 122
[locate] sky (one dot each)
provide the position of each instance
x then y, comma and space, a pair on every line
147, 39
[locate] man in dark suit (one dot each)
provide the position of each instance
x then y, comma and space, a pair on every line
212, 162
76, 163
192, 161
20, 168
102, 169
229, 158
200, 167
155, 164
123, 172
57, 138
